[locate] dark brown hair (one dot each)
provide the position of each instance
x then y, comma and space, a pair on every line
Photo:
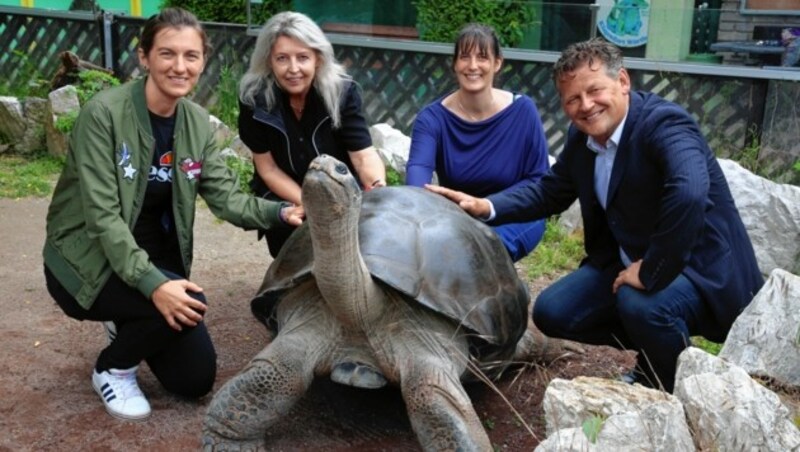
171, 18
477, 36
592, 52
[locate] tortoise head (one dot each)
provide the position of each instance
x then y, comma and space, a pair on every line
330, 191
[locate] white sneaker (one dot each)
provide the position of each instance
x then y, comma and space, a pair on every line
120, 393
111, 331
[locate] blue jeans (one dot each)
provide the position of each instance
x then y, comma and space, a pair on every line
520, 238
658, 325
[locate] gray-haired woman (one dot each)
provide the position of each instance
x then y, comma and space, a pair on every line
297, 102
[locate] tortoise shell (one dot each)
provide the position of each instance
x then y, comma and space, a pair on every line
426, 247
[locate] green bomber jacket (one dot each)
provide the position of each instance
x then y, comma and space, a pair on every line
101, 190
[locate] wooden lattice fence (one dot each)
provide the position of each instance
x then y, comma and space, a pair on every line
29, 43
396, 83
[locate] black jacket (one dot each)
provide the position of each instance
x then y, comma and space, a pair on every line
278, 132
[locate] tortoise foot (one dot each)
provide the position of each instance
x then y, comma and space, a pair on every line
358, 374
216, 443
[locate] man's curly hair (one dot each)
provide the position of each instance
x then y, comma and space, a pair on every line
592, 52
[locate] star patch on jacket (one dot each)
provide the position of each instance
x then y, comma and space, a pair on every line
125, 162
191, 168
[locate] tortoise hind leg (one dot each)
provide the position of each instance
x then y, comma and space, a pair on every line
273, 381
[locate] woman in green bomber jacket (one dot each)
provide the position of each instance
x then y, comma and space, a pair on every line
119, 227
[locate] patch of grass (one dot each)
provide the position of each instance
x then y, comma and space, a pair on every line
66, 122
591, 427
557, 253
28, 176
30, 80
243, 169
226, 106
706, 345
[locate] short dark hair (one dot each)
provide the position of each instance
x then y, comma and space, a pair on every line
591, 52
171, 18
480, 36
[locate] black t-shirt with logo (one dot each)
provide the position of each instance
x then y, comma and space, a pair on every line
155, 228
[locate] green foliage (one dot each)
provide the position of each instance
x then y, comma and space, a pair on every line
83, 5
393, 177
32, 83
556, 253
28, 176
230, 11
749, 156
226, 105
243, 168
92, 82
89, 83
797, 166
65, 123
706, 345
592, 426
440, 20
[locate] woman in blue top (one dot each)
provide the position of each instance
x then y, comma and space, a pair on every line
479, 139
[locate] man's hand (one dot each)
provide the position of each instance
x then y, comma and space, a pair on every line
293, 215
477, 207
177, 307
629, 276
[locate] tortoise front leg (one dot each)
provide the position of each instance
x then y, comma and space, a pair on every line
441, 412
255, 399
429, 358
273, 381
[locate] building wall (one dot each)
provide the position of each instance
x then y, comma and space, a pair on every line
134, 8
737, 26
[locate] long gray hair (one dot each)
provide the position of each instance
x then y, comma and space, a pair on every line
329, 77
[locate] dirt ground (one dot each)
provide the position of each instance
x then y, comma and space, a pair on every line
48, 404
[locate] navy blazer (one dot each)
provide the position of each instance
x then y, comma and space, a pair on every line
668, 204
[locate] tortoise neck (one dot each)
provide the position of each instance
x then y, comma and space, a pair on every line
340, 271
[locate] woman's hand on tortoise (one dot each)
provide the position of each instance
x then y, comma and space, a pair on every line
293, 214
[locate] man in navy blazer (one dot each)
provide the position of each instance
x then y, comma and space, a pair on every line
668, 256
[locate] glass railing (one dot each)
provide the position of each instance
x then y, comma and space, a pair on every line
703, 33
747, 32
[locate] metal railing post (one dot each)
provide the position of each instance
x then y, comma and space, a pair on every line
594, 8
108, 47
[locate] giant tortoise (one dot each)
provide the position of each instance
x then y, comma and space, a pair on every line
396, 284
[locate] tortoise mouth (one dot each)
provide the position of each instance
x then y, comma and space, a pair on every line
329, 181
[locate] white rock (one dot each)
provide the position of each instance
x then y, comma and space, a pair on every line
771, 215
33, 139
61, 102
392, 146
727, 410
765, 338
626, 408
12, 119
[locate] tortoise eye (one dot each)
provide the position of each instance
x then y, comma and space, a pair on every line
341, 168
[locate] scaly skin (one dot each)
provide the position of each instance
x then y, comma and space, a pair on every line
276, 378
